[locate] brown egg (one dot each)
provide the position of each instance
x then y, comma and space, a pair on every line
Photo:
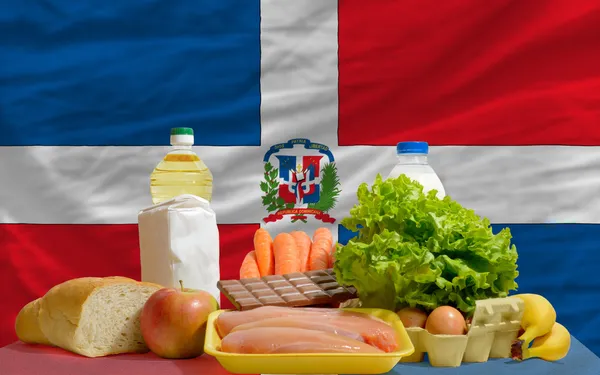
446, 320
412, 317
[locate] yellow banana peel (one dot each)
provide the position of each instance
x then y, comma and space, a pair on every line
539, 317
552, 346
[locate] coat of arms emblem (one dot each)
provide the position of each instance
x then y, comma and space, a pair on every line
300, 180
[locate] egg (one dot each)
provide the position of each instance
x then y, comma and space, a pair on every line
412, 317
446, 320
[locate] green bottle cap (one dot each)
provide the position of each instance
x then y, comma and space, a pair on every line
182, 131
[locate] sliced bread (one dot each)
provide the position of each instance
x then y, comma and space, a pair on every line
90, 316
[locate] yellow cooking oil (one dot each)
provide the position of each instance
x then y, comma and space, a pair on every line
181, 171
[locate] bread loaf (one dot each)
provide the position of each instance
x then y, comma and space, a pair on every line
91, 316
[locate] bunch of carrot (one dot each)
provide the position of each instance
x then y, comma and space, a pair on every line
287, 253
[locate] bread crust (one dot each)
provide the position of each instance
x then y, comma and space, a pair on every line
58, 312
27, 324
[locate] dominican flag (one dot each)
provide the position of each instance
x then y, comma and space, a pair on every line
507, 94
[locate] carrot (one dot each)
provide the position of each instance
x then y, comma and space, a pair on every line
332, 256
286, 254
263, 246
303, 243
320, 251
249, 266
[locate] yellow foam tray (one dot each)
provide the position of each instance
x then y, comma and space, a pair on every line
311, 363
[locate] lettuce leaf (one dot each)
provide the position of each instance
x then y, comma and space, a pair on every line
417, 250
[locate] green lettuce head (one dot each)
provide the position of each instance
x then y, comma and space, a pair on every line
417, 250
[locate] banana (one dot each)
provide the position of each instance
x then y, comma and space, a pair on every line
538, 319
553, 346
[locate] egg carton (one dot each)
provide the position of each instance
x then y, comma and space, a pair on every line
495, 324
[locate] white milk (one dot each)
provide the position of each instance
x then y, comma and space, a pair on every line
412, 162
179, 240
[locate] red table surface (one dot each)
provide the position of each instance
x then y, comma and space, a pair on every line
24, 359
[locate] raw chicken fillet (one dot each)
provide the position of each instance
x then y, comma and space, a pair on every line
373, 332
271, 340
227, 321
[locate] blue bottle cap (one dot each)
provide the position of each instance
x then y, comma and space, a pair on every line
412, 148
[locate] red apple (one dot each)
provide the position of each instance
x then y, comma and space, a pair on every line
173, 321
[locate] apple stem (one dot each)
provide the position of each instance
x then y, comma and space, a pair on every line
181, 284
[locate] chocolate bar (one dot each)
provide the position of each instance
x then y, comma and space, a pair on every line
296, 289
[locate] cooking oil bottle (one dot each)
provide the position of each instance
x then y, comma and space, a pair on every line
181, 171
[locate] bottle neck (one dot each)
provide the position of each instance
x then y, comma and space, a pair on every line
181, 147
416, 159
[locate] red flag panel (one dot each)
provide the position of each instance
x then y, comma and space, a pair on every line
458, 73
